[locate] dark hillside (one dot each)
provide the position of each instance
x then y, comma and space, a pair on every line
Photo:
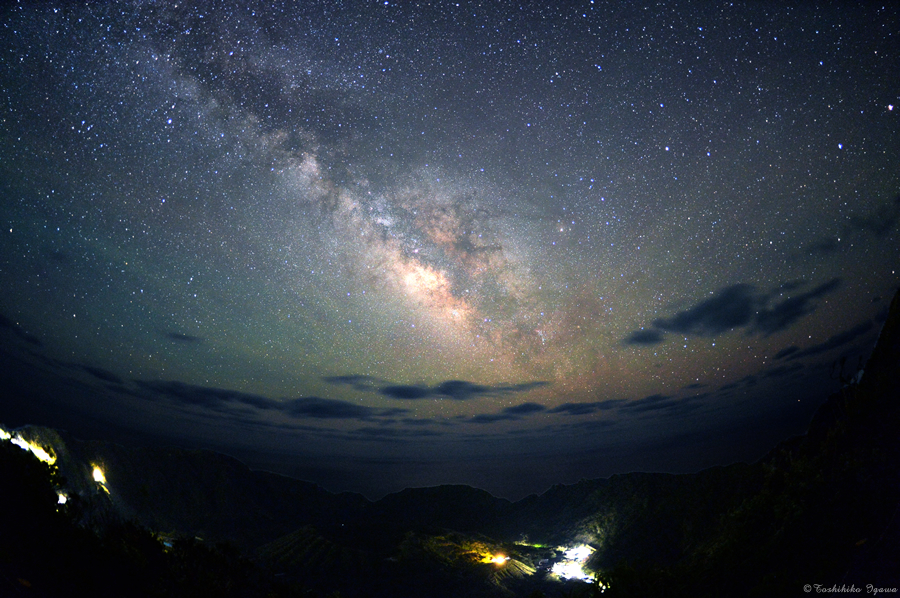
196, 492
826, 512
460, 508
45, 553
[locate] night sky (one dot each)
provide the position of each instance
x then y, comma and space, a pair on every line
388, 244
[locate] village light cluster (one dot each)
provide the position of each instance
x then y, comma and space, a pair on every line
572, 565
50, 459
27, 445
38, 451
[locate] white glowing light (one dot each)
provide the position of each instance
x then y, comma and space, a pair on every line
499, 559
570, 570
63, 499
100, 478
98, 475
572, 565
37, 450
578, 553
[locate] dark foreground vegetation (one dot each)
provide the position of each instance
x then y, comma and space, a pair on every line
45, 552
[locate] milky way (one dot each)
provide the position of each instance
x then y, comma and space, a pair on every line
379, 244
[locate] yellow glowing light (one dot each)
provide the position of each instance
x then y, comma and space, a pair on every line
100, 478
98, 475
4, 435
36, 449
499, 559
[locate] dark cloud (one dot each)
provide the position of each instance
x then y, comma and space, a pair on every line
318, 408
489, 418
591, 425
182, 338
215, 399
101, 374
226, 401
792, 285
663, 403
7, 324
736, 306
785, 313
392, 412
649, 403
508, 413
588, 408
823, 246
655, 402
833, 342
878, 223
525, 409
459, 390
424, 421
730, 308
522, 387
782, 370
375, 433
406, 392
786, 352
357, 382
645, 337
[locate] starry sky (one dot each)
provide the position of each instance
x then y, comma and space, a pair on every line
380, 244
